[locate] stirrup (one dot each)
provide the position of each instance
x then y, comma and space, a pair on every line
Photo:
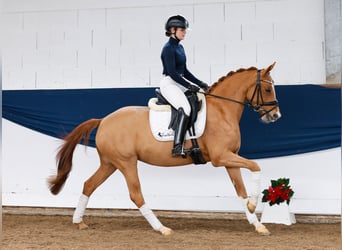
178, 150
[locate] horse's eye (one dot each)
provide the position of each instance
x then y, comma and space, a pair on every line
268, 90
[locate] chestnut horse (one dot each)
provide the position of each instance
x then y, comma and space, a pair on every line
124, 137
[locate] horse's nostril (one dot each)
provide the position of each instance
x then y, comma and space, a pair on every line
276, 115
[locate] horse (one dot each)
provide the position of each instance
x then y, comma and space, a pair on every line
124, 137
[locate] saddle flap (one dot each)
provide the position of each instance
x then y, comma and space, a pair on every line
195, 105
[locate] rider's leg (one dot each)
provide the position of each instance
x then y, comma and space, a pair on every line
178, 143
173, 92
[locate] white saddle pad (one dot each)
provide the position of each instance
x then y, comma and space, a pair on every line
160, 116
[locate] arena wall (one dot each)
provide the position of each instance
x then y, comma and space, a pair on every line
29, 159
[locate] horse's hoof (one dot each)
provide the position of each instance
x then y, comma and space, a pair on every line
263, 231
165, 231
82, 225
251, 207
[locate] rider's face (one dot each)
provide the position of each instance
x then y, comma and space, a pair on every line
180, 33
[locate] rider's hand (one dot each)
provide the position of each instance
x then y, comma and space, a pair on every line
193, 88
204, 86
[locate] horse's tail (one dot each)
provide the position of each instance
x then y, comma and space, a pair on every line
65, 153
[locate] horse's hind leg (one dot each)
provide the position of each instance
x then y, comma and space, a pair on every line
133, 183
102, 173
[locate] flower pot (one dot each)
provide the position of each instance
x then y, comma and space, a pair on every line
279, 214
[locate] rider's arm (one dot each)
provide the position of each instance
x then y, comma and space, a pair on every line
189, 76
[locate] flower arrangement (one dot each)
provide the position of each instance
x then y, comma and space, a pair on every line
278, 192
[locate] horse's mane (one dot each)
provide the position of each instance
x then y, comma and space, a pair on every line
232, 73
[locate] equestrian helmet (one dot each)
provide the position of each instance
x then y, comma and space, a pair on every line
176, 22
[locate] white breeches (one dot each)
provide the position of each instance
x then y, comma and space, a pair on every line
174, 94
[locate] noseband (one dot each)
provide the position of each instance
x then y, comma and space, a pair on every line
260, 104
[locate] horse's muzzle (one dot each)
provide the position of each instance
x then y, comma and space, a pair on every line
270, 116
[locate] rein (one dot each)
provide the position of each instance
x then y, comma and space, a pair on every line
227, 99
257, 93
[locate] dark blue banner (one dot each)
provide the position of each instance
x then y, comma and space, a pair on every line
311, 116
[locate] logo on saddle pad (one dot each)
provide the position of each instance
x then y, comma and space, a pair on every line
160, 118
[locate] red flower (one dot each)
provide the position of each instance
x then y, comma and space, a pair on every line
278, 192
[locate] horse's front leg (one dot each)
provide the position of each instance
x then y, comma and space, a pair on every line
236, 178
234, 161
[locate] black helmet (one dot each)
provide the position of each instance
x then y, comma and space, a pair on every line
177, 22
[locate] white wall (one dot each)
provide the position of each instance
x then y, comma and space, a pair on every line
82, 44
29, 158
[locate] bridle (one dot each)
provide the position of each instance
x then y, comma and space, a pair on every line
260, 103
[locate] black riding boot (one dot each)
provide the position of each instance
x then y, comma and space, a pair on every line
182, 120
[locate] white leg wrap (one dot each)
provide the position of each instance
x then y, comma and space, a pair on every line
150, 217
79, 211
251, 217
255, 188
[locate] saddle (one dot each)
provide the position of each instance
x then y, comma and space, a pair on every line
195, 105
160, 107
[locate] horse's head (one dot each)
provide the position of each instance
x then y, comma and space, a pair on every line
262, 96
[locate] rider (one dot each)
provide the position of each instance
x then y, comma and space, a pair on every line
177, 78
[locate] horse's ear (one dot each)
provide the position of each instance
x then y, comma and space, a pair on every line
269, 68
